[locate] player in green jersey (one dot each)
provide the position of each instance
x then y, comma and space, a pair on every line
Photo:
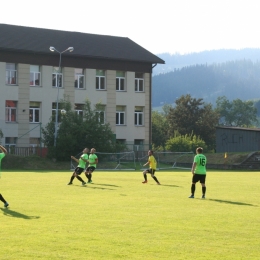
152, 167
198, 171
2, 155
93, 160
81, 166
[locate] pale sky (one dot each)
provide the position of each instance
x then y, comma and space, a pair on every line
173, 26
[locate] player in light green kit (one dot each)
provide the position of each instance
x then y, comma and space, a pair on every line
81, 166
93, 160
2, 155
199, 172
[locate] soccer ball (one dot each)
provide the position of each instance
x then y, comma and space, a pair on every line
63, 112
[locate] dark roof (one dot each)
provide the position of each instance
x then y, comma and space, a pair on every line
37, 40
238, 128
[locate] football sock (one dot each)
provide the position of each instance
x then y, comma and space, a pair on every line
72, 178
79, 178
155, 179
145, 177
203, 190
192, 188
89, 176
2, 198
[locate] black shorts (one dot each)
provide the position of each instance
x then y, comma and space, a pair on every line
90, 169
151, 171
199, 177
79, 170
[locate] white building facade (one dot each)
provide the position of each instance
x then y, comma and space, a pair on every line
30, 80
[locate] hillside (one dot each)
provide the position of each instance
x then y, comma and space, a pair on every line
234, 79
178, 61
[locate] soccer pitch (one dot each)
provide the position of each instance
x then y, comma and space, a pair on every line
118, 217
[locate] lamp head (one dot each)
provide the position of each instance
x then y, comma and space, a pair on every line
70, 49
52, 48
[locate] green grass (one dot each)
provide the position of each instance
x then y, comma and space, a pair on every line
118, 217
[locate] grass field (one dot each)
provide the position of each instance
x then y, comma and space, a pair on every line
118, 217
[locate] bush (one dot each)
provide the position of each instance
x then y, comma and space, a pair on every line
184, 143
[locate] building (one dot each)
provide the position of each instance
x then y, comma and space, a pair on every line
237, 139
113, 71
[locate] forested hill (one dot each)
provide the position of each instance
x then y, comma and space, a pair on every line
233, 79
177, 61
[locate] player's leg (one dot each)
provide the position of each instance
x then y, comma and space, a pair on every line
72, 178
203, 186
4, 201
152, 174
90, 172
78, 171
193, 185
145, 176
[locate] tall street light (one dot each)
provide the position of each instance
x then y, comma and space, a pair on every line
70, 49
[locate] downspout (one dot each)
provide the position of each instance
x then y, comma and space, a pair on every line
150, 108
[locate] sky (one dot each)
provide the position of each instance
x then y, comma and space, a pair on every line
164, 26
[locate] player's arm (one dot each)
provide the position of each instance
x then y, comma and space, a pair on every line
3, 149
75, 159
146, 163
193, 167
96, 160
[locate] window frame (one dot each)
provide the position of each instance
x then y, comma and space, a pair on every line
118, 117
120, 81
100, 80
33, 117
8, 112
57, 77
33, 76
139, 116
77, 78
8, 74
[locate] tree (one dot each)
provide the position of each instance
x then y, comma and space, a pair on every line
160, 127
236, 113
78, 131
193, 116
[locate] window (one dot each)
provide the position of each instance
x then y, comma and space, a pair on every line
56, 77
10, 143
79, 109
120, 80
34, 114
79, 78
11, 74
139, 82
10, 111
139, 116
120, 115
100, 113
54, 105
100, 80
35, 75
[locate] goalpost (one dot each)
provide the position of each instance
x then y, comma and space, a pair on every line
113, 161
170, 160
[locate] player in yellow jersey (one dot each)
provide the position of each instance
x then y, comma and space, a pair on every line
152, 167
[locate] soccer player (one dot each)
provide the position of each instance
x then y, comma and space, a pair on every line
198, 171
2, 155
81, 166
93, 160
152, 167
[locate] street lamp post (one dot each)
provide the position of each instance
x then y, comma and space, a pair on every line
70, 49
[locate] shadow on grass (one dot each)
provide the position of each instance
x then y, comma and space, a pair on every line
234, 202
176, 186
106, 185
11, 213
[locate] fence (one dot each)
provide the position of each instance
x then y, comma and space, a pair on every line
27, 151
